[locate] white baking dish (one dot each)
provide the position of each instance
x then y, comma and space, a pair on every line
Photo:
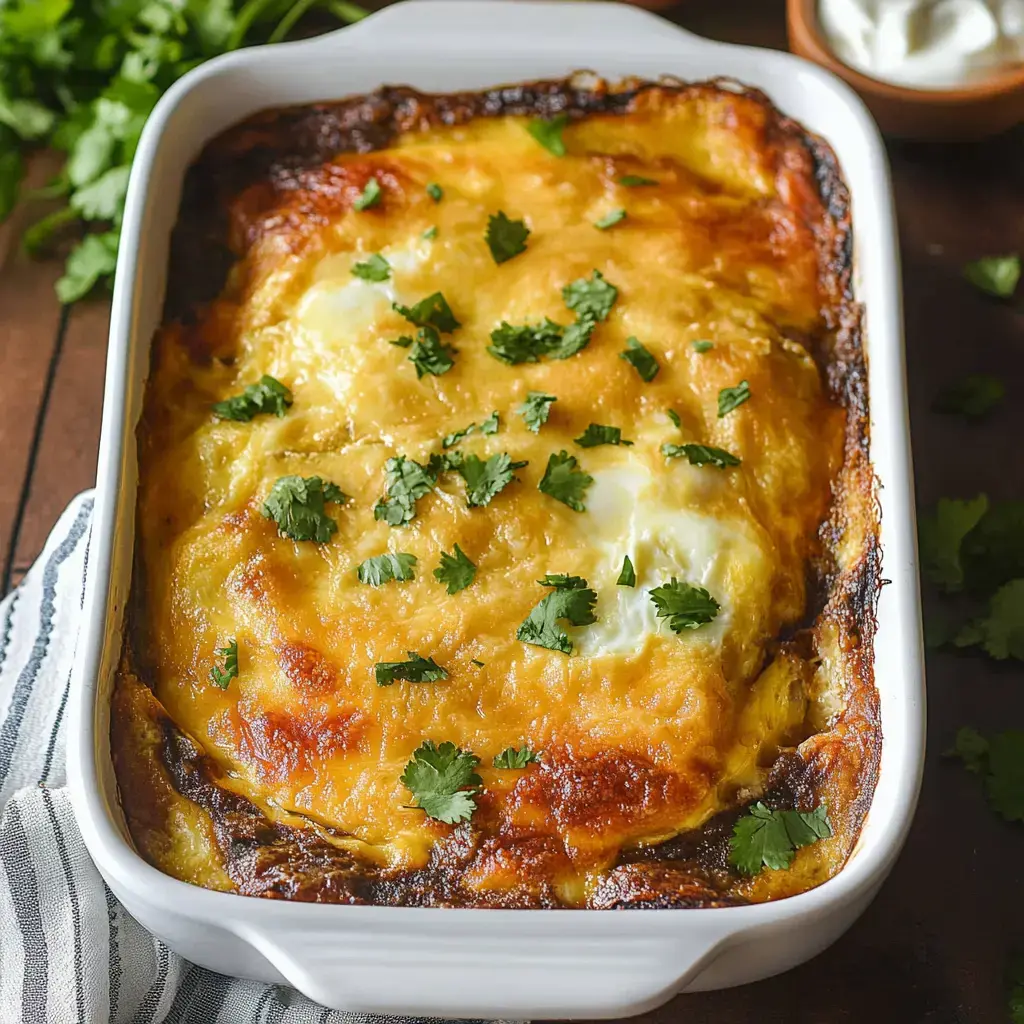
490, 963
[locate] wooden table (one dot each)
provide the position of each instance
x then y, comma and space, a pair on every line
932, 946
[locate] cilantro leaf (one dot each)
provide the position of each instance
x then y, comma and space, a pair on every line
296, 504
525, 344
369, 197
456, 571
443, 781
674, 417
222, 676
941, 535
1000, 762
505, 238
700, 455
563, 581
266, 396
702, 346
548, 132
1001, 631
974, 397
93, 258
536, 409
376, 268
485, 479
433, 311
732, 398
430, 234
684, 605
627, 577
435, 192
406, 482
610, 219
384, 568
103, 199
415, 670
568, 601
430, 355
574, 339
510, 757
564, 481
596, 434
640, 359
765, 838
636, 181
591, 298
487, 426
26, 118
993, 552
995, 275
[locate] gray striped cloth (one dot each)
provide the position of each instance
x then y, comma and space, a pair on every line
69, 953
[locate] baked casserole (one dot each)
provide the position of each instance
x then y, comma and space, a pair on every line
506, 534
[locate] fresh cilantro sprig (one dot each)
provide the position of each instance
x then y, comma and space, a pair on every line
565, 481
941, 534
536, 409
406, 481
512, 757
266, 396
443, 781
381, 569
485, 479
684, 605
1000, 632
297, 505
1000, 763
505, 237
416, 670
764, 838
571, 600
81, 79
222, 676
456, 571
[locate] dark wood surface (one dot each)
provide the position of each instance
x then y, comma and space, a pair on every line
932, 946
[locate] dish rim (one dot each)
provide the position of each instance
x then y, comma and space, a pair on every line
902, 750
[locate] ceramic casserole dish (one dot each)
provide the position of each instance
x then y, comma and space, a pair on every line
511, 963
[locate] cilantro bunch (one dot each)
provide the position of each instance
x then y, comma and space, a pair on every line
81, 77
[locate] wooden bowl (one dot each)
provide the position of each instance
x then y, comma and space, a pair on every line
970, 112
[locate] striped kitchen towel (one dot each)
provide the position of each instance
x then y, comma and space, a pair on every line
69, 953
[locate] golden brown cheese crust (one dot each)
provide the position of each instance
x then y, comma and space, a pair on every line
287, 783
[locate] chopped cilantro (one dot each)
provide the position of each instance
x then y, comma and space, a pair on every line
732, 398
415, 670
700, 455
505, 238
627, 577
536, 409
491, 424
403, 342
1000, 763
376, 268
674, 417
222, 676
563, 581
684, 605
525, 344
941, 535
479, 664
548, 132
974, 397
430, 234
485, 479
406, 482
267, 396
433, 311
370, 196
456, 571
636, 181
703, 346
640, 359
510, 757
443, 781
995, 275
564, 481
1001, 631
610, 219
430, 355
597, 434
296, 504
590, 299
383, 569
762, 838
435, 192
487, 426
568, 601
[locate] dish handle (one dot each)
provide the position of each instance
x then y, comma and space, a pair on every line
439, 970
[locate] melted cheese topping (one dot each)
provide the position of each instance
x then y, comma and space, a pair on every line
644, 732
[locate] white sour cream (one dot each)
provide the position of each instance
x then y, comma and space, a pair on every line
925, 44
